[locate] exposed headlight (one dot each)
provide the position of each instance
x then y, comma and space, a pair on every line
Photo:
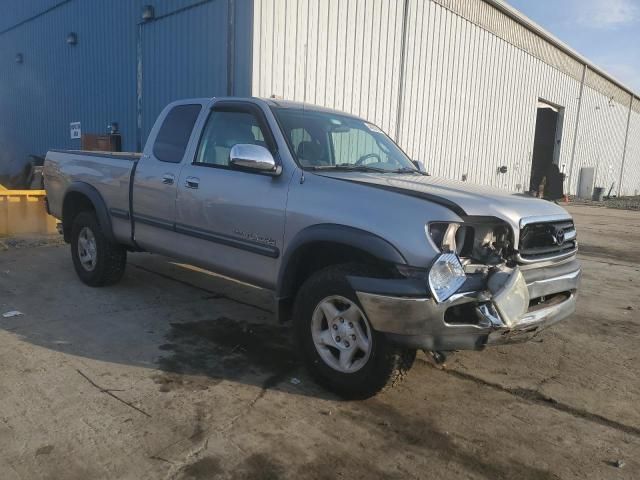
446, 276
451, 237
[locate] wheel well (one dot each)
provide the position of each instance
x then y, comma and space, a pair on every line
313, 257
74, 203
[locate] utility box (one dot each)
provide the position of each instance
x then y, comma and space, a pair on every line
585, 183
102, 143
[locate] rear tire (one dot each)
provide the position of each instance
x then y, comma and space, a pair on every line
330, 323
98, 261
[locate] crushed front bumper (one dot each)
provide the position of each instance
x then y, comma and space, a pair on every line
421, 322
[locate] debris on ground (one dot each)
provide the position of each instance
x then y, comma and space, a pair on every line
620, 203
617, 463
295, 381
12, 313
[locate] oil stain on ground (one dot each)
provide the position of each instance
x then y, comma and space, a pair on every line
411, 433
202, 353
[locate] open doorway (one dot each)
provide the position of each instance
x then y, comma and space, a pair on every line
547, 175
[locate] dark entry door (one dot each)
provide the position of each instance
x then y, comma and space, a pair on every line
544, 147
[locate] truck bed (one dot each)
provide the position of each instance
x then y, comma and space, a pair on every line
108, 172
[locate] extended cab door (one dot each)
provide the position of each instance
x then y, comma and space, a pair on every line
232, 221
156, 178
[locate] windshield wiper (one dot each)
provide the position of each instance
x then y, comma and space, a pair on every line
408, 170
349, 167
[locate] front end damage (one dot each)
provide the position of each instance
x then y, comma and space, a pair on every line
492, 296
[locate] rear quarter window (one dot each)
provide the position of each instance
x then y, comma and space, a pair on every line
174, 133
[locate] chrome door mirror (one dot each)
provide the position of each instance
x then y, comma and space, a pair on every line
255, 158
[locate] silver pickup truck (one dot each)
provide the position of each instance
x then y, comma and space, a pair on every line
369, 258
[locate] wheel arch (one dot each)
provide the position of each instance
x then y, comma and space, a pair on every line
320, 246
80, 197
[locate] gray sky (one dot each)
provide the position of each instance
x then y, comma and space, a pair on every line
607, 32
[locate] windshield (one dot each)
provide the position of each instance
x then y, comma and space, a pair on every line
324, 140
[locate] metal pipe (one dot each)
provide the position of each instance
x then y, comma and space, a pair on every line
575, 132
403, 55
626, 144
231, 50
139, 89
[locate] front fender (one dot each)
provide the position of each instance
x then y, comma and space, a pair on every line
362, 240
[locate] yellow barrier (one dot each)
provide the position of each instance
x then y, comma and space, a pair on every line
24, 212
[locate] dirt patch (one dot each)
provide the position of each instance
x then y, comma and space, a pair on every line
618, 255
203, 353
205, 468
406, 431
44, 450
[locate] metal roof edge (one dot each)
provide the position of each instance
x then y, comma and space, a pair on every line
529, 24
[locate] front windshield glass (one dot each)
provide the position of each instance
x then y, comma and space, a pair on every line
324, 140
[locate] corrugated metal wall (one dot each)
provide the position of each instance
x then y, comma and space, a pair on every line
184, 54
467, 96
471, 99
631, 173
316, 51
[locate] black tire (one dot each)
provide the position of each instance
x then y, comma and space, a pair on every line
387, 364
110, 258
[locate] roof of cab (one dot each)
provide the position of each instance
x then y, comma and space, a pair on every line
272, 102
288, 104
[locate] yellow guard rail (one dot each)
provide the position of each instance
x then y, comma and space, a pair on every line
24, 212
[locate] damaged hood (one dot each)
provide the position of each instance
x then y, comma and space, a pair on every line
465, 199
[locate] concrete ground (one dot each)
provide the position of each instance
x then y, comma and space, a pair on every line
178, 373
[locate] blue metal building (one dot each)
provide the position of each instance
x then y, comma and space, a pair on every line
122, 68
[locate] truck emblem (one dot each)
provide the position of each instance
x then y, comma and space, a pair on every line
559, 237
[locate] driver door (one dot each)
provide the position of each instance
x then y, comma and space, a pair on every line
231, 220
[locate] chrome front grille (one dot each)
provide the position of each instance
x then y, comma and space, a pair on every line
547, 240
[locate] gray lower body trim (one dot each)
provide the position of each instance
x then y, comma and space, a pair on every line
119, 213
222, 239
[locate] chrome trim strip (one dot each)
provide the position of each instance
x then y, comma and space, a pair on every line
545, 219
568, 276
546, 259
549, 286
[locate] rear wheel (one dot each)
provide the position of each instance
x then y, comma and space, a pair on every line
338, 344
98, 262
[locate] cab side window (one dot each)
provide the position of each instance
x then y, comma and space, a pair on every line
223, 130
173, 136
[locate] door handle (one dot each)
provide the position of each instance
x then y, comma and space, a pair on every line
168, 178
192, 182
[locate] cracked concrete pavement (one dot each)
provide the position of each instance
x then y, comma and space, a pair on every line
180, 373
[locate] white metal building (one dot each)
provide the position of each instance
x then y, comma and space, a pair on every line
465, 86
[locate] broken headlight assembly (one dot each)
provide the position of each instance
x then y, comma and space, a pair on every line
446, 276
486, 243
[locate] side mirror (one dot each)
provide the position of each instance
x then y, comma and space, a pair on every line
418, 165
254, 158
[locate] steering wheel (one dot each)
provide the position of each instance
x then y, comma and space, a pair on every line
366, 157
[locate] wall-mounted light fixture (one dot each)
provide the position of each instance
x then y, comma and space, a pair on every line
19, 58
148, 13
72, 38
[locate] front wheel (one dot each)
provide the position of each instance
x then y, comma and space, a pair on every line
98, 262
339, 346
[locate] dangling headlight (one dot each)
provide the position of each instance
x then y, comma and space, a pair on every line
446, 276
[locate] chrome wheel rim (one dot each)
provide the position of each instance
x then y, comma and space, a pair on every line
341, 334
87, 249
